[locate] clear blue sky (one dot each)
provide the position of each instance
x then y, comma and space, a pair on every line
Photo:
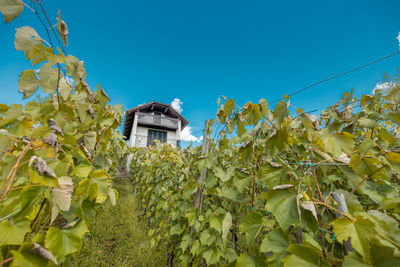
197, 50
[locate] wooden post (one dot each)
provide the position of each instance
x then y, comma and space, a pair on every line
204, 151
200, 180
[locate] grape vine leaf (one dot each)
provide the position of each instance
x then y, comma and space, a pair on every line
361, 231
226, 225
251, 226
301, 255
28, 83
13, 233
25, 38
244, 261
283, 205
11, 9
276, 242
62, 242
212, 256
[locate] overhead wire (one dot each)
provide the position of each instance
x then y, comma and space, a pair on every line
334, 77
340, 75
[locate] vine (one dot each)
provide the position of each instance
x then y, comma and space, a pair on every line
282, 190
57, 153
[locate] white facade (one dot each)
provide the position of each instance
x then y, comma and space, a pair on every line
140, 133
153, 121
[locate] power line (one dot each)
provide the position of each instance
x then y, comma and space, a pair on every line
198, 131
341, 74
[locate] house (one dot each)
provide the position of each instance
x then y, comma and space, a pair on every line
153, 121
149, 122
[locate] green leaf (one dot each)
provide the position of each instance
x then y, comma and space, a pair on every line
195, 248
212, 256
176, 230
65, 241
25, 38
191, 216
82, 111
336, 144
229, 107
49, 78
251, 113
28, 83
366, 123
224, 175
75, 68
226, 225
27, 259
283, 205
113, 195
36, 178
276, 242
83, 170
271, 175
65, 89
301, 255
13, 233
251, 226
263, 107
90, 140
206, 238
11, 9
39, 53
360, 231
244, 260
281, 111
215, 223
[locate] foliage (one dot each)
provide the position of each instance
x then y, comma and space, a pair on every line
280, 189
56, 153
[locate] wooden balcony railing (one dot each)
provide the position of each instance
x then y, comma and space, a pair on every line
155, 120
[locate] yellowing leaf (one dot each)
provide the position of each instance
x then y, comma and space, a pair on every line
263, 107
28, 83
226, 225
11, 9
62, 195
49, 78
25, 38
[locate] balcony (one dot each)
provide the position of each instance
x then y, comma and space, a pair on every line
157, 121
143, 141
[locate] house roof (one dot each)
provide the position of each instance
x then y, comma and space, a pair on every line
151, 106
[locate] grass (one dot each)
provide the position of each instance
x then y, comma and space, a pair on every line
117, 237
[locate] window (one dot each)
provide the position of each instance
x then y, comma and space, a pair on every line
156, 135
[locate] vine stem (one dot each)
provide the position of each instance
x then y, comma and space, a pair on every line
361, 182
319, 188
5, 261
390, 240
13, 171
332, 208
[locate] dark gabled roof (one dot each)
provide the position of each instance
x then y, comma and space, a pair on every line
153, 105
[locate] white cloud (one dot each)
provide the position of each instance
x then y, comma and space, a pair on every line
382, 86
186, 135
398, 39
177, 104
